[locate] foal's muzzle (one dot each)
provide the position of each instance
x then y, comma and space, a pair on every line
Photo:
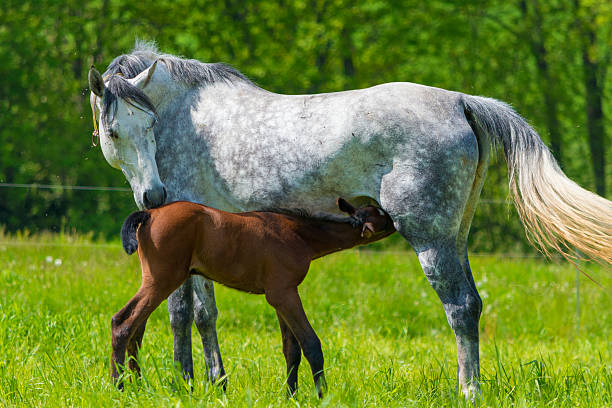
154, 197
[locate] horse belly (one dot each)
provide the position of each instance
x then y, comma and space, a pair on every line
231, 272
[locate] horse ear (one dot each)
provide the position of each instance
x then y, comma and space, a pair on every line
344, 206
143, 79
96, 83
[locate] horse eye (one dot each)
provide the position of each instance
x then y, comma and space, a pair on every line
112, 134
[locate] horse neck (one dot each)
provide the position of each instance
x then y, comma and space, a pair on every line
165, 94
325, 237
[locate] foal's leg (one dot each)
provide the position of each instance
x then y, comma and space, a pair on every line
288, 304
293, 355
127, 321
180, 308
134, 346
205, 311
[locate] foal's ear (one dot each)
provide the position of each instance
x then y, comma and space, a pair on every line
143, 79
96, 83
344, 206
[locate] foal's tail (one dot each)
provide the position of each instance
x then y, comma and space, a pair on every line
556, 212
129, 229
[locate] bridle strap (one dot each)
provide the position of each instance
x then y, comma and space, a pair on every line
95, 136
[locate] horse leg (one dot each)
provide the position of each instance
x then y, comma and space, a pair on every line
205, 311
468, 374
293, 355
462, 305
289, 306
126, 322
180, 308
431, 197
484, 153
134, 346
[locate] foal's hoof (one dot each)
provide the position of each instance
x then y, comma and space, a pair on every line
221, 382
321, 387
291, 392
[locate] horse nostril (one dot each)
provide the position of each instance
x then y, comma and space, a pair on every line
154, 198
145, 200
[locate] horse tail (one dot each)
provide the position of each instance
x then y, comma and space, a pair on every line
557, 213
129, 238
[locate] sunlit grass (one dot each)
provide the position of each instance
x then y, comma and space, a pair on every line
385, 337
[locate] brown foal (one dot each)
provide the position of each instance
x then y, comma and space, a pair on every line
263, 252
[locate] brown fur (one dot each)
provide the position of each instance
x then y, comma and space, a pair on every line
258, 252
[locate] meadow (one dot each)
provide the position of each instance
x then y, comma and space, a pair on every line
385, 337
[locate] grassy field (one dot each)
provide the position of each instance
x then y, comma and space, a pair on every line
385, 337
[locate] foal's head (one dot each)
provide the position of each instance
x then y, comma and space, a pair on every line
372, 220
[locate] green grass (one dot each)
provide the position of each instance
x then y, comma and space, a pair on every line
385, 337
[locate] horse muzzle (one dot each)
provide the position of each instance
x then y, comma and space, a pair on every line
154, 197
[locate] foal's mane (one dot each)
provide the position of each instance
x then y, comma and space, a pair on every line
188, 71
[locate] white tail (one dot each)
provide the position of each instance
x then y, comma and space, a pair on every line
556, 212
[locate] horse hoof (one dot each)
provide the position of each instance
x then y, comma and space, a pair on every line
472, 393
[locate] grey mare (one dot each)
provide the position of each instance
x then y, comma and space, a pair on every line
185, 130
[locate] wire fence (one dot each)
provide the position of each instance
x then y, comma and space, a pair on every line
377, 251
63, 187
127, 190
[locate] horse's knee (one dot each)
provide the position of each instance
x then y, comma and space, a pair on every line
205, 314
181, 314
119, 331
205, 307
459, 296
464, 314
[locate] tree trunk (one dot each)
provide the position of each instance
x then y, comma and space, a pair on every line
594, 74
547, 80
595, 117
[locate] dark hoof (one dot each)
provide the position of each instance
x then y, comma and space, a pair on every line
221, 381
291, 392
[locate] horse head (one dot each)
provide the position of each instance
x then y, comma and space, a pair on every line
127, 119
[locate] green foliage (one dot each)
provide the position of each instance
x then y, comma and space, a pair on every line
525, 52
385, 337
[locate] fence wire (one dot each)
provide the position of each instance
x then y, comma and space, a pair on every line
63, 187
35, 186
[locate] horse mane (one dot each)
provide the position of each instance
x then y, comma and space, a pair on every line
118, 87
307, 215
189, 71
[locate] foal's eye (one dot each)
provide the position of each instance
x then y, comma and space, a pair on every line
112, 134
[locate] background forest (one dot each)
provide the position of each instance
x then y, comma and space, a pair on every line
549, 59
